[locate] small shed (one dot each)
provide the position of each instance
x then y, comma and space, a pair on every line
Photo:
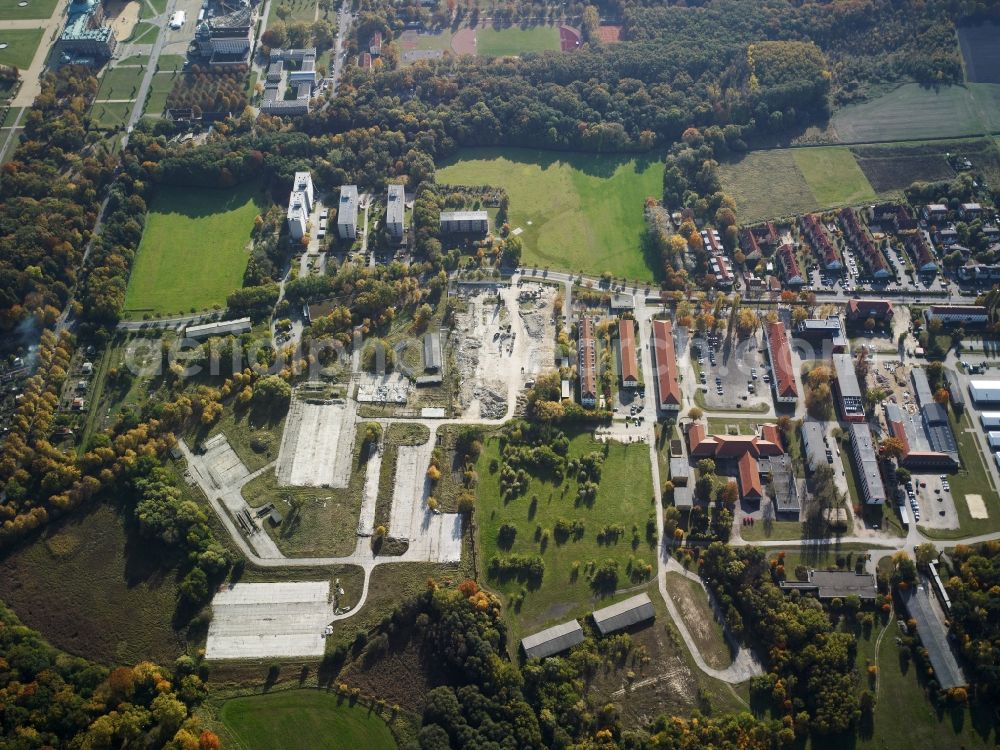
552, 640
624, 614
274, 517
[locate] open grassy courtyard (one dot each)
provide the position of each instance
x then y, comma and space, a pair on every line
21, 46
623, 500
193, 250
578, 212
120, 83
11, 11
492, 42
833, 175
302, 720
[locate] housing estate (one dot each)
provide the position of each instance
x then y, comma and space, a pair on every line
822, 245
289, 70
859, 239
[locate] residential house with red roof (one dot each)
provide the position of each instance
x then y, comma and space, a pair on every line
627, 357
668, 390
782, 371
822, 245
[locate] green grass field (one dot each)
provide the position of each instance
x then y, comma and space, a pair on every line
913, 112
833, 175
134, 60
513, 41
579, 212
111, 115
144, 33
11, 11
297, 10
303, 720
159, 7
624, 497
193, 251
159, 90
170, 63
120, 83
10, 116
21, 46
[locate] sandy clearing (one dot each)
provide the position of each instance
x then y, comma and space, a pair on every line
977, 507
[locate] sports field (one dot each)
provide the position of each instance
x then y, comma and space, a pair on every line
493, 43
912, 112
580, 212
21, 46
11, 11
193, 250
303, 720
833, 175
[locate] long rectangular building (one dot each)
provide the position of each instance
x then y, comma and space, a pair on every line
866, 469
668, 390
477, 222
850, 402
970, 315
219, 328
985, 392
347, 213
395, 211
587, 363
782, 371
552, 640
629, 362
624, 614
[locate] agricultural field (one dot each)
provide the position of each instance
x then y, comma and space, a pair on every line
767, 184
193, 250
120, 83
301, 720
579, 212
492, 42
11, 11
980, 52
612, 526
76, 582
912, 112
21, 46
833, 176
897, 166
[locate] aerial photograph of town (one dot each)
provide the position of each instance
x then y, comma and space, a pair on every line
499, 374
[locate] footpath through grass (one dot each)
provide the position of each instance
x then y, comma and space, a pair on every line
623, 503
304, 720
193, 250
579, 212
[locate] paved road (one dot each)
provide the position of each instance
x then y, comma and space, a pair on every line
147, 79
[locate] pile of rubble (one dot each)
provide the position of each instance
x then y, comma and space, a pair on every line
492, 401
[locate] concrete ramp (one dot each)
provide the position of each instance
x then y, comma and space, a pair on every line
317, 445
255, 620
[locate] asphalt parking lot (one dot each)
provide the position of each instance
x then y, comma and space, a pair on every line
734, 367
